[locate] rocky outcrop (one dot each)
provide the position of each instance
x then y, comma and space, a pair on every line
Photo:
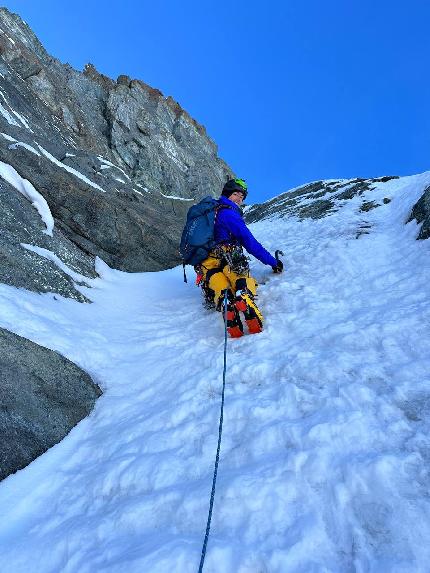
42, 397
117, 162
316, 200
88, 167
320, 198
421, 213
21, 226
148, 135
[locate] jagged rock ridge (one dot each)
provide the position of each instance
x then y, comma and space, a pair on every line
117, 162
320, 198
316, 200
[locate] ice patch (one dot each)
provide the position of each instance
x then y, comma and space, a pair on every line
7, 115
69, 169
22, 119
8, 137
142, 187
107, 164
8, 37
176, 198
25, 146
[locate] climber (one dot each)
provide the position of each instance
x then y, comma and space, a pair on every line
227, 267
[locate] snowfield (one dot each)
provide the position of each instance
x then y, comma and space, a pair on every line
325, 454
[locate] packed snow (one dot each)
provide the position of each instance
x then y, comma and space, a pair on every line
324, 459
17, 143
9, 174
57, 261
7, 115
175, 197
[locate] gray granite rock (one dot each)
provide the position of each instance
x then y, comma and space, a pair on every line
21, 225
421, 213
42, 397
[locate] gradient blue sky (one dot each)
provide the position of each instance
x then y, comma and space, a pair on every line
291, 91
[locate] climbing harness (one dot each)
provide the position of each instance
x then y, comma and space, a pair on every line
233, 256
221, 419
237, 260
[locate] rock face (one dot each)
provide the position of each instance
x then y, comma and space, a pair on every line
21, 225
117, 163
42, 396
115, 166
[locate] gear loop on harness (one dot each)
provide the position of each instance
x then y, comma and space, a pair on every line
233, 256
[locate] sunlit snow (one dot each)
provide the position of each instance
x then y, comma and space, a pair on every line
324, 459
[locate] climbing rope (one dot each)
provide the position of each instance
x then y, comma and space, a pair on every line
211, 504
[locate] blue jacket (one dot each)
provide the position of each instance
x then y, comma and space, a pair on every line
230, 229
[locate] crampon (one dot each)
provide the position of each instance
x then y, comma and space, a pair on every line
234, 323
243, 303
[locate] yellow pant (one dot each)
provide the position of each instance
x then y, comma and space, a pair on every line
220, 278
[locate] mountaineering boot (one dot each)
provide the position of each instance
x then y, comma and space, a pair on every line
231, 315
244, 302
234, 324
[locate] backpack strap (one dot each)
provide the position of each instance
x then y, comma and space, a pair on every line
222, 206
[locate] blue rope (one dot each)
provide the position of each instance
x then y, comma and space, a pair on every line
211, 504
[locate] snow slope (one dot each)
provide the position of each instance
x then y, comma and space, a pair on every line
324, 461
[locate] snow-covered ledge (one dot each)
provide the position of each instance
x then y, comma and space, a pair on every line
24, 186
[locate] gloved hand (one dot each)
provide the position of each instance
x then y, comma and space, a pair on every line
279, 267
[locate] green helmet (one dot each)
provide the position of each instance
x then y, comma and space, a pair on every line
233, 185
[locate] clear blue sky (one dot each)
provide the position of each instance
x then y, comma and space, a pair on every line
292, 91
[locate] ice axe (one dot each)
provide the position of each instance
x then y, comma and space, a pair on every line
278, 268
